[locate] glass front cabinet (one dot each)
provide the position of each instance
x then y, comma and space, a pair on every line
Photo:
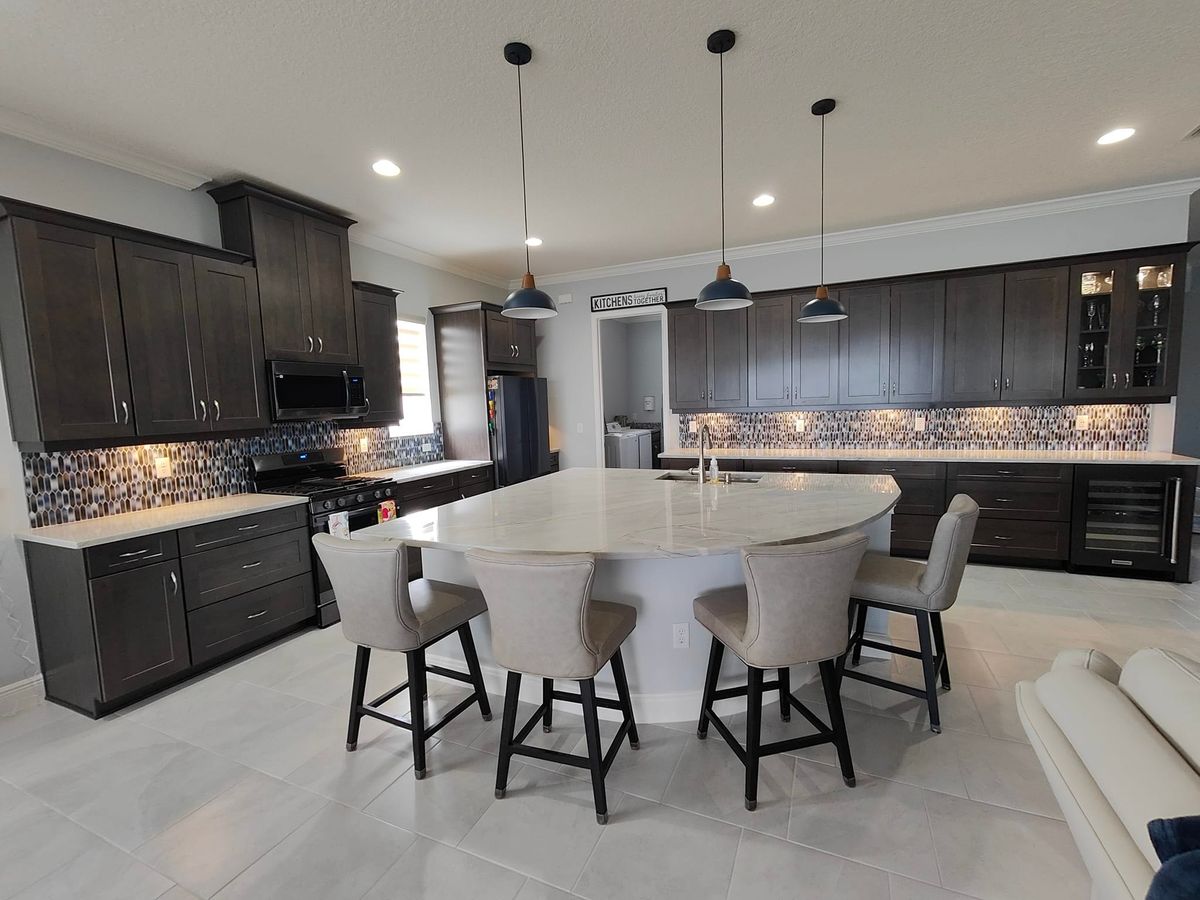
1123, 331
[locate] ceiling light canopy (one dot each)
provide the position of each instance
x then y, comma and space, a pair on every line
1116, 136
526, 302
386, 168
763, 200
822, 308
723, 292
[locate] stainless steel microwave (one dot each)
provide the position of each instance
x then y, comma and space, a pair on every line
305, 390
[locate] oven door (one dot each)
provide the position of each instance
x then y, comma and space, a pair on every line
363, 517
303, 390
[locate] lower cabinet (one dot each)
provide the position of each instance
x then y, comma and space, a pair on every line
221, 629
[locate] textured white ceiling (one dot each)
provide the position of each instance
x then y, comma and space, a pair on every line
943, 107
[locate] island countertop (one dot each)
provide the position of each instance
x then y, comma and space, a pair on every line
636, 514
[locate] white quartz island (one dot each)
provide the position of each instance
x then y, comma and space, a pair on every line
658, 541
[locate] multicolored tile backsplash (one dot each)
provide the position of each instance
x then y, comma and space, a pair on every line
86, 484
1114, 427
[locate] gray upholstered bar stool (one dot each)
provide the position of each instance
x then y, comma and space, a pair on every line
545, 623
382, 610
919, 589
792, 610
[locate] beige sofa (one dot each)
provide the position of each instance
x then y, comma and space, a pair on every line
1120, 747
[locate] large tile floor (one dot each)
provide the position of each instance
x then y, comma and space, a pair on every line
238, 786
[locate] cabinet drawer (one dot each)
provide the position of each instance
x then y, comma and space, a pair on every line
122, 555
912, 535
921, 496
226, 571
1021, 539
677, 463
425, 486
790, 465
475, 490
424, 502
482, 475
897, 469
1017, 499
222, 628
244, 528
1030, 471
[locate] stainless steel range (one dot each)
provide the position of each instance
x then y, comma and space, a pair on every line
320, 475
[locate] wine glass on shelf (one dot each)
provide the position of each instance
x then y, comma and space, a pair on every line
1155, 306
1091, 314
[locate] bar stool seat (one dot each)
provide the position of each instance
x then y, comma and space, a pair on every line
724, 613
441, 607
892, 579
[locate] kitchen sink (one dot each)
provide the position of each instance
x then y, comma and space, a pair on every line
726, 477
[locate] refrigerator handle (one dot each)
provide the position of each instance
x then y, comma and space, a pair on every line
1175, 520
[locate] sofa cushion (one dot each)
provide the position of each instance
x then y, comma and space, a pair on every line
1138, 771
1166, 687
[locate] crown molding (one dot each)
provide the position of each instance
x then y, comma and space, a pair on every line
36, 131
374, 241
1162, 190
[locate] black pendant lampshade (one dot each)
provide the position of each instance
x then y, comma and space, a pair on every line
822, 308
723, 292
526, 302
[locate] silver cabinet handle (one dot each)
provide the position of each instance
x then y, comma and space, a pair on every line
1008, 384
310, 344
174, 584
133, 553
1003, 499
1128, 378
253, 565
1175, 521
889, 468
367, 400
884, 387
203, 411
1005, 472
1000, 537
893, 387
248, 527
995, 384
217, 407
125, 408
261, 612
320, 345
1114, 384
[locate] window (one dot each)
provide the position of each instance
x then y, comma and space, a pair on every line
414, 378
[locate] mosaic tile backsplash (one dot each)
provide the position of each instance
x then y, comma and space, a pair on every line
86, 484
1114, 427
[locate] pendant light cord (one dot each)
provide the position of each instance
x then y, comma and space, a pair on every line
721, 70
822, 199
524, 191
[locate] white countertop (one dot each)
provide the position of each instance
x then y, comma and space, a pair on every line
105, 530
1065, 457
630, 514
425, 470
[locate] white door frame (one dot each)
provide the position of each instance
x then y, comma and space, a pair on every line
670, 421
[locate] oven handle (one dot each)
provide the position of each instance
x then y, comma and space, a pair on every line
1175, 521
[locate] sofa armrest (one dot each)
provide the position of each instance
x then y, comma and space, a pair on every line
1092, 660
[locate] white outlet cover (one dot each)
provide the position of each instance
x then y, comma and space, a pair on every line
648, 404
426, 447
919, 423
1083, 422
364, 444
579, 428
693, 427
681, 636
799, 424
162, 467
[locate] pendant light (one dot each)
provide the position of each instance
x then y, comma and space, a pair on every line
724, 292
526, 302
822, 308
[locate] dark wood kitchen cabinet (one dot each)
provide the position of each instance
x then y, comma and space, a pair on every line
814, 358
709, 358
378, 352
916, 328
974, 344
510, 342
769, 323
231, 332
865, 345
65, 366
687, 339
1035, 331
727, 358
302, 253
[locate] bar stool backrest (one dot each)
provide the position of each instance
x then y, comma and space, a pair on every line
948, 554
370, 579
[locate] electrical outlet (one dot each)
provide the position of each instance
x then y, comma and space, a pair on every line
364, 444
648, 404
919, 423
693, 426
162, 467
1083, 422
798, 423
681, 636
427, 447
579, 428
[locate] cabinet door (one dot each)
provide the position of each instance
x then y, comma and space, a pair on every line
76, 342
141, 634
327, 251
727, 358
1147, 328
379, 355
1035, 334
974, 345
917, 325
864, 351
525, 340
1094, 306
279, 257
231, 332
814, 359
501, 349
162, 335
687, 339
770, 343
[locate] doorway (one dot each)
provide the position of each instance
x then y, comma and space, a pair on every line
630, 382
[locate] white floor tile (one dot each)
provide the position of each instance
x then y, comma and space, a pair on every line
767, 868
429, 869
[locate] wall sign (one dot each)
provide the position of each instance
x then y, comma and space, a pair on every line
629, 299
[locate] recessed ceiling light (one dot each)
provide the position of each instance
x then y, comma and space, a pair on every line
1115, 136
533, 241
385, 167
763, 200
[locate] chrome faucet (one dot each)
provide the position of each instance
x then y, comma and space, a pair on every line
703, 441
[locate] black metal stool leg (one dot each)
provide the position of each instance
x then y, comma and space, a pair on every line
785, 690
753, 735
357, 695
512, 694
715, 653
472, 659
618, 669
860, 627
929, 666
416, 706
830, 680
547, 704
939, 642
591, 727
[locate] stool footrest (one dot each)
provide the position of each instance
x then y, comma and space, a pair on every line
606, 702
885, 683
449, 673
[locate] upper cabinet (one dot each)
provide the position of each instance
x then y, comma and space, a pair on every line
302, 254
1035, 328
865, 345
687, 349
378, 352
709, 360
974, 342
791, 363
918, 314
510, 343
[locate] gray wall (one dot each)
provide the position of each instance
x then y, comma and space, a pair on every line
645, 370
52, 178
614, 352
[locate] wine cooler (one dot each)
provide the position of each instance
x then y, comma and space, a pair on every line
1134, 518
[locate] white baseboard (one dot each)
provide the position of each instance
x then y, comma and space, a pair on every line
21, 695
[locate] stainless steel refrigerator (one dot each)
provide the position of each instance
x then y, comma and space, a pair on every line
518, 427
